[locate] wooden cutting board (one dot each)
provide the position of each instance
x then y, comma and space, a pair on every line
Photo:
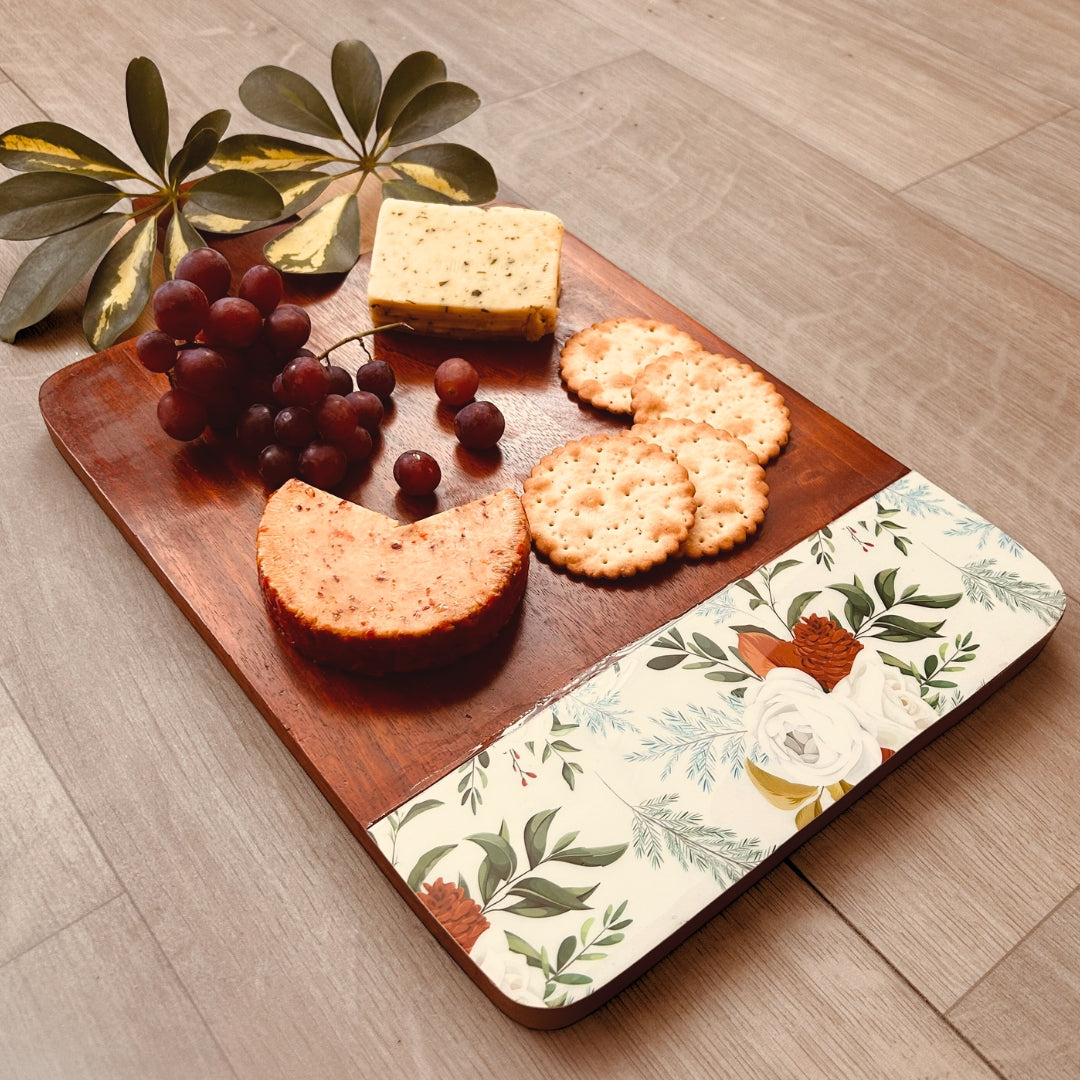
372, 745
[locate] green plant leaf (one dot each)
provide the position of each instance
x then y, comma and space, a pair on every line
425, 864
449, 169
943, 601
885, 586
595, 856
148, 112
216, 120
265, 153
708, 646
52, 270
297, 190
419, 808
433, 109
33, 205
541, 899
180, 238
412, 74
898, 629
120, 287
536, 831
520, 946
799, 605
326, 241
500, 855
566, 951
194, 154
664, 663
282, 97
44, 145
357, 80
235, 193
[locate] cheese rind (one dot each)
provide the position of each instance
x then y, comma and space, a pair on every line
355, 589
466, 271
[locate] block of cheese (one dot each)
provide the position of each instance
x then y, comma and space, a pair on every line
354, 589
466, 271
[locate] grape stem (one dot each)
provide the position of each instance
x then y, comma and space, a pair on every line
360, 337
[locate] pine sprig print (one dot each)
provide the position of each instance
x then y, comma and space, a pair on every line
696, 738
658, 826
986, 585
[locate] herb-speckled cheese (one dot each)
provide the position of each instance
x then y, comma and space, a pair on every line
466, 271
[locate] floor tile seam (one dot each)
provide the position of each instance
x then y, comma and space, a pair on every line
1010, 952
63, 928
1065, 111
904, 980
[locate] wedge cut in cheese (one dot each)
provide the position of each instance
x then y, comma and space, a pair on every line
466, 271
354, 589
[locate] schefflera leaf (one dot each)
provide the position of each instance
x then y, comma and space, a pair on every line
357, 80
121, 285
33, 205
148, 112
52, 270
327, 241
298, 190
433, 110
282, 97
268, 153
415, 72
453, 171
46, 145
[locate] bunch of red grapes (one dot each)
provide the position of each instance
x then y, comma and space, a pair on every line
238, 365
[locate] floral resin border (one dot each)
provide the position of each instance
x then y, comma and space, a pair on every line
582, 839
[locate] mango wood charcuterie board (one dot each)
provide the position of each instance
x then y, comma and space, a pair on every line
494, 792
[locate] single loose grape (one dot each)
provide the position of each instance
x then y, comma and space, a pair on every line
286, 329
305, 381
232, 322
207, 268
417, 473
341, 382
479, 426
456, 381
255, 428
156, 351
357, 444
369, 409
277, 464
294, 426
201, 371
377, 377
322, 464
181, 415
336, 417
263, 286
180, 309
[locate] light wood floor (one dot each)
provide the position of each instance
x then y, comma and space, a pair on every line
878, 201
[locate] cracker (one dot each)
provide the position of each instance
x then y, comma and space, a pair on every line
730, 492
716, 390
599, 363
608, 506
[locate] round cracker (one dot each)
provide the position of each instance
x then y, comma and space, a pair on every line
600, 362
608, 506
730, 492
716, 390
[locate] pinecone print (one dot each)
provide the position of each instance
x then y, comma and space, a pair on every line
456, 911
826, 650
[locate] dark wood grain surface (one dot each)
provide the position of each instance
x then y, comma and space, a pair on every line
191, 511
